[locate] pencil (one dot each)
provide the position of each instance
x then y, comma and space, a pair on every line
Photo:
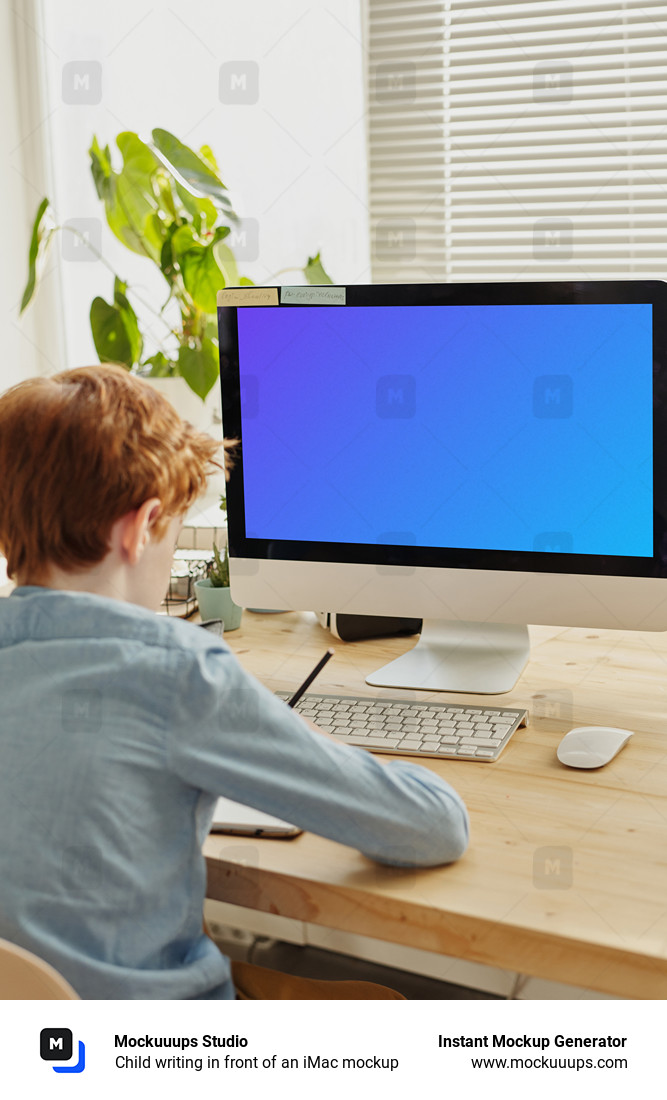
309, 679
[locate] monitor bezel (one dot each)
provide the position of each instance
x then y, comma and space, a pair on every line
404, 295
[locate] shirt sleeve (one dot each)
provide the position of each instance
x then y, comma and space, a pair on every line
231, 736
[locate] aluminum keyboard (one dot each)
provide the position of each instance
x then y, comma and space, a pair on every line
398, 727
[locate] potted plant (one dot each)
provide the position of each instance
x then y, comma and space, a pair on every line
167, 203
213, 593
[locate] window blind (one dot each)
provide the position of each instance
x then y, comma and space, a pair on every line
520, 140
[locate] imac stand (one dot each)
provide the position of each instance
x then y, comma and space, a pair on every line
478, 658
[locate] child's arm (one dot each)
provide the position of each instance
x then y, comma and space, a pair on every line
233, 737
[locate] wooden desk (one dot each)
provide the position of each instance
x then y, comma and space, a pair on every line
504, 903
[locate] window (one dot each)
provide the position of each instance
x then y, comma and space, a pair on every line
522, 140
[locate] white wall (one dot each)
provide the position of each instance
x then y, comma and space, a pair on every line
25, 351
294, 159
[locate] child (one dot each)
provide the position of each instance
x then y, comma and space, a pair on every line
120, 728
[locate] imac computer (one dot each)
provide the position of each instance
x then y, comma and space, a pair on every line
482, 456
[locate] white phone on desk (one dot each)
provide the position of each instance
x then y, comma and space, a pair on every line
239, 820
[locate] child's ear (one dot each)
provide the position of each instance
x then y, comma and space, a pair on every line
136, 527
154, 511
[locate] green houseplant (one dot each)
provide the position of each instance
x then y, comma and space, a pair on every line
167, 203
213, 593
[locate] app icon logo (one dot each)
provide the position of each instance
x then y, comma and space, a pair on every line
56, 1044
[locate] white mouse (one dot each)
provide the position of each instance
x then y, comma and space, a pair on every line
591, 746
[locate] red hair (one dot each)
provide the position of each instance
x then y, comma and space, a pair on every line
78, 451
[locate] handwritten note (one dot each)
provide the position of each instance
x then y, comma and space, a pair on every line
248, 296
313, 295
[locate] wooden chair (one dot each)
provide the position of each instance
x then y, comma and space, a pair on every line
25, 977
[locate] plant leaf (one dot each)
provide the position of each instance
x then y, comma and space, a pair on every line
100, 166
115, 329
164, 194
167, 258
182, 240
129, 319
207, 154
133, 217
161, 367
315, 273
111, 340
129, 199
224, 257
199, 366
218, 570
190, 170
202, 211
38, 247
201, 275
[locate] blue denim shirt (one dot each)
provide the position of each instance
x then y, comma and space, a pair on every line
118, 730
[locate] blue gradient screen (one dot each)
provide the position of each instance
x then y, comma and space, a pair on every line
513, 427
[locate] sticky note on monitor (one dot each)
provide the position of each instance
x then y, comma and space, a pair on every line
312, 295
248, 296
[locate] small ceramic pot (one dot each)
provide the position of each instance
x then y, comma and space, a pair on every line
217, 603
